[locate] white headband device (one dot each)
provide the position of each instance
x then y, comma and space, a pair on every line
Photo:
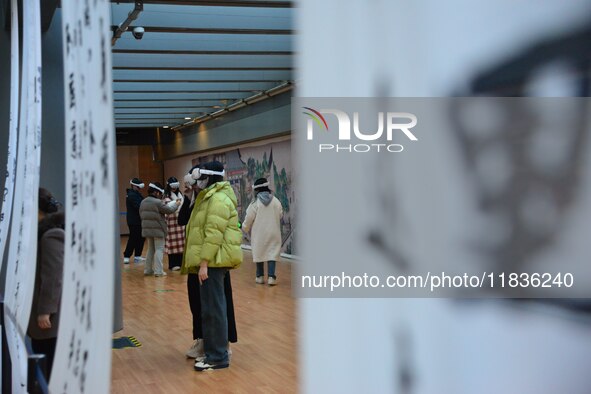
156, 187
189, 180
140, 185
197, 172
174, 185
261, 185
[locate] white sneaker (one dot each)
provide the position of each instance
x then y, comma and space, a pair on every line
161, 274
203, 366
260, 280
271, 281
138, 260
126, 260
200, 359
176, 268
196, 350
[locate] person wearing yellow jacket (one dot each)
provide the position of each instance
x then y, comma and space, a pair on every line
213, 242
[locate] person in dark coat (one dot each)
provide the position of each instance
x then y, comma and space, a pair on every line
135, 242
47, 294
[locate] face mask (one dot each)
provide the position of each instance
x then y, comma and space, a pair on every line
202, 184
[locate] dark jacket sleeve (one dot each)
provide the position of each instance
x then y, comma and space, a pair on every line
185, 212
135, 200
51, 272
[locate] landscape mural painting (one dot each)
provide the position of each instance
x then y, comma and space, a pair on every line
271, 161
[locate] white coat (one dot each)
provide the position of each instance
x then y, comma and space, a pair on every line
263, 222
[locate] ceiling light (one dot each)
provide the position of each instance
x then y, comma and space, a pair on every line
236, 105
187, 118
165, 127
218, 113
256, 98
287, 85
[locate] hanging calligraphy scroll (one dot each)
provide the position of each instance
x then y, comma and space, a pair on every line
20, 273
83, 353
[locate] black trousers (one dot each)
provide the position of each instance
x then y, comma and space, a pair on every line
47, 347
193, 291
135, 242
175, 260
214, 315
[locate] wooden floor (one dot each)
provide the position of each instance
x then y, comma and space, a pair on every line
156, 312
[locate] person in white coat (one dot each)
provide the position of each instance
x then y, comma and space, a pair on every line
263, 223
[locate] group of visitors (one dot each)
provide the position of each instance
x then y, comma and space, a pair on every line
201, 233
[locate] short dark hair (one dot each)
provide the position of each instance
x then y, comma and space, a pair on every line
213, 166
135, 182
168, 189
152, 190
260, 181
47, 203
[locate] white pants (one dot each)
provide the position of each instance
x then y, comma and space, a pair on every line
154, 257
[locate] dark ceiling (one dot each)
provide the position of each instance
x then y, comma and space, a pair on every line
196, 58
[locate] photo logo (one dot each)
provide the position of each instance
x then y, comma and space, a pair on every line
393, 123
315, 117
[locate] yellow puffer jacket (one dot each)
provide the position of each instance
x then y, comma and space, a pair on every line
212, 233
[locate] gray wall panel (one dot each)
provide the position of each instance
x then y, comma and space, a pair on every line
261, 120
53, 162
